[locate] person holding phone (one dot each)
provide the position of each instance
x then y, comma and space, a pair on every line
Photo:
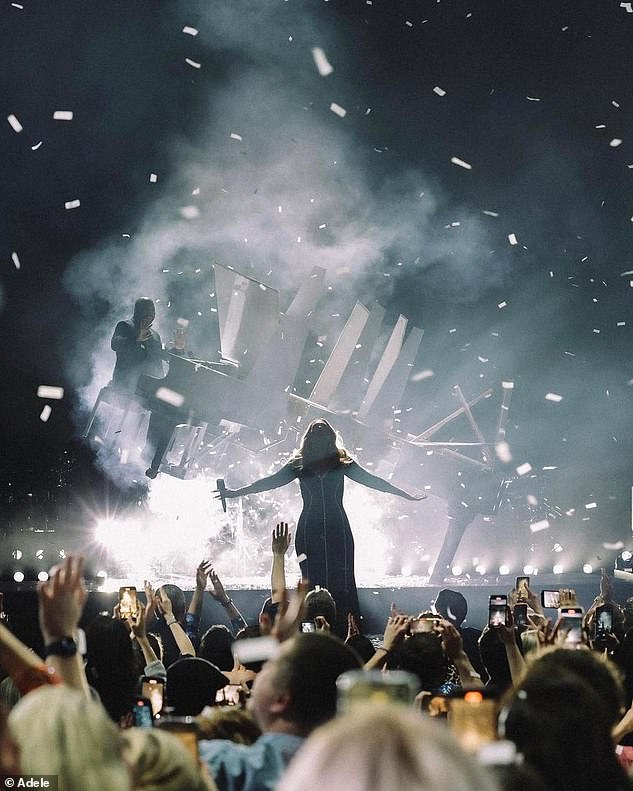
324, 538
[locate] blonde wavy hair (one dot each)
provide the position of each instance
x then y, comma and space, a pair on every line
311, 449
60, 732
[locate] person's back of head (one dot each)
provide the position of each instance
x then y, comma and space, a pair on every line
307, 668
494, 658
452, 606
422, 655
561, 727
192, 684
319, 602
111, 665
229, 722
597, 671
60, 732
159, 762
215, 647
384, 748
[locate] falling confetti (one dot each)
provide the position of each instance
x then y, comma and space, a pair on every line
553, 397
461, 163
72, 204
338, 110
190, 31
321, 62
543, 524
14, 123
512, 238
235, 136
170, 397
63, 115
49, 391
16, 260
45, 413
523, 469
439, 91
193, 63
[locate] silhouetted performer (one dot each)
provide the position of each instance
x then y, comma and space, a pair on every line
139, 352
323, 531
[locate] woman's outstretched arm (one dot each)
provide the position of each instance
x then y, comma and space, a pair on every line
283, 476
360, 475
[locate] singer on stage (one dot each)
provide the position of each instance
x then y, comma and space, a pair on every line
323, 531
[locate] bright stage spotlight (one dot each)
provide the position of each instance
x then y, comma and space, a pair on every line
456, 571
528, 570
16, 554
18, 576
626, 555
587, 568
480, 569
42, 576
39, 554
558, 568
504, 570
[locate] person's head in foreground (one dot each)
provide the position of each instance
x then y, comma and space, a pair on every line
60, 732
384, 748
296, 690
560, 718
159, 762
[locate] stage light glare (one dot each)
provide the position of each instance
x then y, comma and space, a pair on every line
406, 571
457, 570
480, 569
16, 554
39, 555
102, 574
626, 555
431, 569
503, 570
558, 568
62, 554
587, 568
42, 576
527, 570
18, 576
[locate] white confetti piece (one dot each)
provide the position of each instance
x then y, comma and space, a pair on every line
170, 396
512, 238
553, 397
190, 212
532, 99
420, 376
490, 213
321, 62
36, 146
301, 557
190, 31
615, 142
614, 547
193, 63
542, 525
621, 324
16, 260
502, 449
590, 506
439, 91
72, 204
49, 391
461, 163
523, 469
182, 322
18, 5
63, 115
45, 413
507, 385
153, 178
502, 305
628, 7
14, 123
235, 136
338, 110
531, 500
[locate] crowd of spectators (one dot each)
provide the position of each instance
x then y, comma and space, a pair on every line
148, 700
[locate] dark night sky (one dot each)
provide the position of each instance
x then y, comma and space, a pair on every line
543, 167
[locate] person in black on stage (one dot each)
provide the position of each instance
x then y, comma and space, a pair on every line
138, 347
139, 352
323, 531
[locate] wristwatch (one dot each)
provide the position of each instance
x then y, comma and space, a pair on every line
65, 646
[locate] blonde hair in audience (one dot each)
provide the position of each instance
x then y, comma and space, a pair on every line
382, 748
60, 732
159, 762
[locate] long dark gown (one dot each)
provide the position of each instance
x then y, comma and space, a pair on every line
323, 534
